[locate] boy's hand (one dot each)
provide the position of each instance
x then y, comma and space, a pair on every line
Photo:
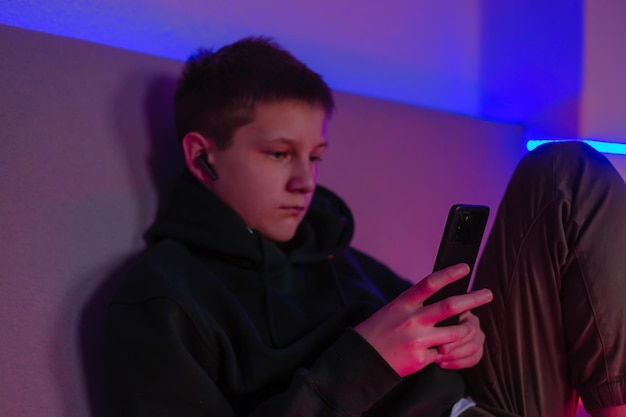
466, 352
404, 333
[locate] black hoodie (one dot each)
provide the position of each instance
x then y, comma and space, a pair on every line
215, 320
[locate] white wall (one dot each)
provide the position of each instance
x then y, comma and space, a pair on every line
603, 104
415, 51
531, 64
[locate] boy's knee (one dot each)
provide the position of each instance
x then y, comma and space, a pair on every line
571, 151
569, 157
564, 168
577, 150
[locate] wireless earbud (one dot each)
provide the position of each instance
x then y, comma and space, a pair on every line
204, 165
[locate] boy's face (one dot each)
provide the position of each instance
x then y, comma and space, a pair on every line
269, 172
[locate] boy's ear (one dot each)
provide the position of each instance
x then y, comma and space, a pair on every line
196, 145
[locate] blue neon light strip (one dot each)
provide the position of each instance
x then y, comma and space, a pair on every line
604, 147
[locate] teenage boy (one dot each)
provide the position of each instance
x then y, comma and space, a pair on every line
250, 301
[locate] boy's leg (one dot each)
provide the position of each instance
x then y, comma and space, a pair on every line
556, 261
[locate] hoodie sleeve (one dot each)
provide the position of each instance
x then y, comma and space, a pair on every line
157, 369
347, 380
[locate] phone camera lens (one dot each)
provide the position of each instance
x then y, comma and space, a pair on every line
463, 228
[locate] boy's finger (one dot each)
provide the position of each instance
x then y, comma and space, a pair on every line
418, 293
441, 310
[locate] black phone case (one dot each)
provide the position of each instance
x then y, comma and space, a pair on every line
460, 243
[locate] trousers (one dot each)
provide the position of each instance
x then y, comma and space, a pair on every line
555, 260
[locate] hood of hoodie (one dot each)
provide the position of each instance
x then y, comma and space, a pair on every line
198, 218
210, 228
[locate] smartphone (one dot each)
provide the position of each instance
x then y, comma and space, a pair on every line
460, 243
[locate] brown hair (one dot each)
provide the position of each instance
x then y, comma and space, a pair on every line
217, 91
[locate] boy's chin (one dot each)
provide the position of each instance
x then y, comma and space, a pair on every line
281, 236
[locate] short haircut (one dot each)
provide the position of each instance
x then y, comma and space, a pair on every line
217, 91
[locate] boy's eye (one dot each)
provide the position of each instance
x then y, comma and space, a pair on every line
315, 158
277, 155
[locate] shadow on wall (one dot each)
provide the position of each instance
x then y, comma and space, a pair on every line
164, 167
164, 163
